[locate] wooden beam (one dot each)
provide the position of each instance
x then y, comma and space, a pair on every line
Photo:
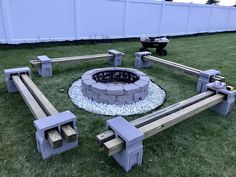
116, 145
182, 68
39, 96
68, 132
76, 59
108, 135
54, 138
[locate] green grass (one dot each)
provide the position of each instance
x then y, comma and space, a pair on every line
204, 145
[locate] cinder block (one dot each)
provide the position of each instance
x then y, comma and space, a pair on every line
14, 71
133, 137
139, 62
45, 68
54, 122
204, 79
117, 59
225, 107
107, 99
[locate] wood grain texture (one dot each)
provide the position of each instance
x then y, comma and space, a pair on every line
116, 145
54, 137
108, 135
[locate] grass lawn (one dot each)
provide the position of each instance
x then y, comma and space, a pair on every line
204, 145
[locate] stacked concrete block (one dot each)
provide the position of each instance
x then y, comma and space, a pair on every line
45, 69
117, 57
54, 122
15, 71
139, 62
204, 79
225, 107
133, 137
115, 92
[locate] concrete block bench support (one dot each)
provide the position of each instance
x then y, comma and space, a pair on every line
45, 63
54, 122
226, 106
144, 59
56, 132
140, 62
133, 137
205, 78
217, 98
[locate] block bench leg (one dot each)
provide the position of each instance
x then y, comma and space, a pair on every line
54, 122
133, 137
139, 62
117, 57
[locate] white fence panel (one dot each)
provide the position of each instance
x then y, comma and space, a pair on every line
199, 19
143, 18
231, 25
218, 19
24, 21
174, 19
40, 20
101, 19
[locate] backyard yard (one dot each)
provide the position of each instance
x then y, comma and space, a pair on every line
203, 145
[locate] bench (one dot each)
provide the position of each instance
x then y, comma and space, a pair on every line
123, 139
44, 63
56, 132
144, 60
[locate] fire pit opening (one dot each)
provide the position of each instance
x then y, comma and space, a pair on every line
115, 76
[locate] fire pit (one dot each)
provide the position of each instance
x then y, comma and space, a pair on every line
115, 85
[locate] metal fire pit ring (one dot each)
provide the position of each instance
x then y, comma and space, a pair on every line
115, 85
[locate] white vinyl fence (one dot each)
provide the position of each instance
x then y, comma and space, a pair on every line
27, 21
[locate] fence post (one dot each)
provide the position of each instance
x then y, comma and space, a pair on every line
188, 18
209, 20
125, 17
160, 18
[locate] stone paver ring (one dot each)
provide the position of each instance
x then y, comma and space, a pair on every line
115, 85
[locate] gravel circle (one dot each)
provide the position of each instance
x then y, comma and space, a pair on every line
155, 98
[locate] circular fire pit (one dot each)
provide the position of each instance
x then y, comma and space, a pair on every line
115, 85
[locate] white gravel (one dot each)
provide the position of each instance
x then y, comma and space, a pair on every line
155, 98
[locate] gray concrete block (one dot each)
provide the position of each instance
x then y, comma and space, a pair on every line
45, 68
125, 98
99, 88
139, 62
115, 90
14, 71
92, 95
225, 107
133, 137
204, 79
143, 85
88, 83
140, 96
54, 122
117, 59
131, 88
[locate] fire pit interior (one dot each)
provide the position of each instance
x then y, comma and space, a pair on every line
115, 85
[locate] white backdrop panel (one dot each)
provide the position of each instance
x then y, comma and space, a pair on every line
174, 19
101, 18
143, 18
198, 19
42, 19
218, 19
